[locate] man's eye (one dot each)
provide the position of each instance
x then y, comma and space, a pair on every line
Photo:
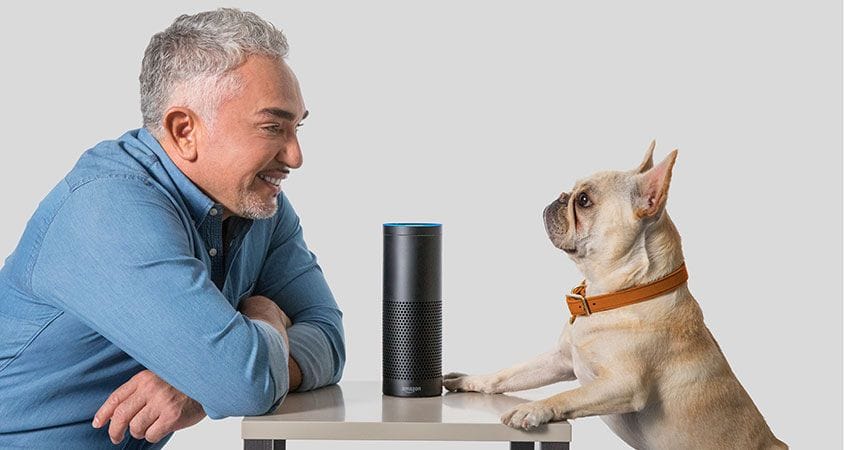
275, 129
584, 200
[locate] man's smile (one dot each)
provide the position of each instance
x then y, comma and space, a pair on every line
273, 177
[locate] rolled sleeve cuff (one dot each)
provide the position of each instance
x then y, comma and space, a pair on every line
278, 363
311, 350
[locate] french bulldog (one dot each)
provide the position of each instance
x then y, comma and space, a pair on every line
652, 370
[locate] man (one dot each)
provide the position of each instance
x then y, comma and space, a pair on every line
166, 276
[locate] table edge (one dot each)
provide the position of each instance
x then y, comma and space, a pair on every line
410, 431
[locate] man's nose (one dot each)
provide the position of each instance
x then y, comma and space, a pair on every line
291, 154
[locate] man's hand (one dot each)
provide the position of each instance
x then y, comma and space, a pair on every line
262, 308
150, 407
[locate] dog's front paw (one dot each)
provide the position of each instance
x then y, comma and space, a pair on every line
461, 382
528, 415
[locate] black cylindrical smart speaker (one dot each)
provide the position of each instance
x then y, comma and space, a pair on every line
412, 328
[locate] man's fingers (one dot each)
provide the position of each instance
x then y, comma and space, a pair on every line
149, 407
288, 323
140, 424
158, 430
124, 413
116, 398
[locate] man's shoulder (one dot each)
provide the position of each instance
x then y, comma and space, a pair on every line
124, 158
113, 177
104, 177
106, 190
100, 200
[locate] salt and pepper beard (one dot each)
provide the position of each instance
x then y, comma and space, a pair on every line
252, 205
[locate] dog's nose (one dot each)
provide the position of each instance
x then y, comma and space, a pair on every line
564, 198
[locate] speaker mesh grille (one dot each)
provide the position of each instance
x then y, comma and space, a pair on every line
412, 340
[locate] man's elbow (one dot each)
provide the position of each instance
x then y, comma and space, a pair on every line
264, 391
254, 388
263, 401
250, 399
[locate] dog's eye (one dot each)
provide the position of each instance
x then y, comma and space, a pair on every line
584, 201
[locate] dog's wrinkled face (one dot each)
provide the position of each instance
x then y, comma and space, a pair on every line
586, 219
602, 218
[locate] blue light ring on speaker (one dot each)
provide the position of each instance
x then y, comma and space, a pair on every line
413, 229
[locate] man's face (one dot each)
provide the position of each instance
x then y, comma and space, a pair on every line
252, 144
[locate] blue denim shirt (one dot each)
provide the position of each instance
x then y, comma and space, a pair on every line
123, 267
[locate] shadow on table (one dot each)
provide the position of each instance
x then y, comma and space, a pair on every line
328, 401
488, 403
430, 409
408, 409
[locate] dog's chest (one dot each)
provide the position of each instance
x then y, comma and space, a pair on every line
594, 343
582, 363
583, 372
585, 369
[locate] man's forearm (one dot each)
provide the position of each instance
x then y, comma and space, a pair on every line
294, 372
316, 356
263, 309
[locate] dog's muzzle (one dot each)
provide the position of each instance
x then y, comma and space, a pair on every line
553, 215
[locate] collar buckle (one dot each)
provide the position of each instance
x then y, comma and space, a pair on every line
582, 300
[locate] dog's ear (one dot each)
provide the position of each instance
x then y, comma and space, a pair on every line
654, 187
647, 163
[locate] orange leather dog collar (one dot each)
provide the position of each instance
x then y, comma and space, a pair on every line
580, 305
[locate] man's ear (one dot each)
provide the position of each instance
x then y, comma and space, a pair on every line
181, 126
654, 187
647, 161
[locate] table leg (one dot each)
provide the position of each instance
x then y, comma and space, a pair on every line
522, 445
264, 444
554, 445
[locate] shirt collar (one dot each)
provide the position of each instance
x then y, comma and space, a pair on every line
198, 203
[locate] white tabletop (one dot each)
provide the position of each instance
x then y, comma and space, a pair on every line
357, 410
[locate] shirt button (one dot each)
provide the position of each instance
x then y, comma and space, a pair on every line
213, 211
213, 252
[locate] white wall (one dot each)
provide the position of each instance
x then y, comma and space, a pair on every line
477, 116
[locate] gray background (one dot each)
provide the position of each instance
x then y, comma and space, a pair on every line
477, 116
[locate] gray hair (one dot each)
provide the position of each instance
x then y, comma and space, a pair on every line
189, 63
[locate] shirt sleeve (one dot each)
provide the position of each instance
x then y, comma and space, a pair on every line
292, 278
118, 256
